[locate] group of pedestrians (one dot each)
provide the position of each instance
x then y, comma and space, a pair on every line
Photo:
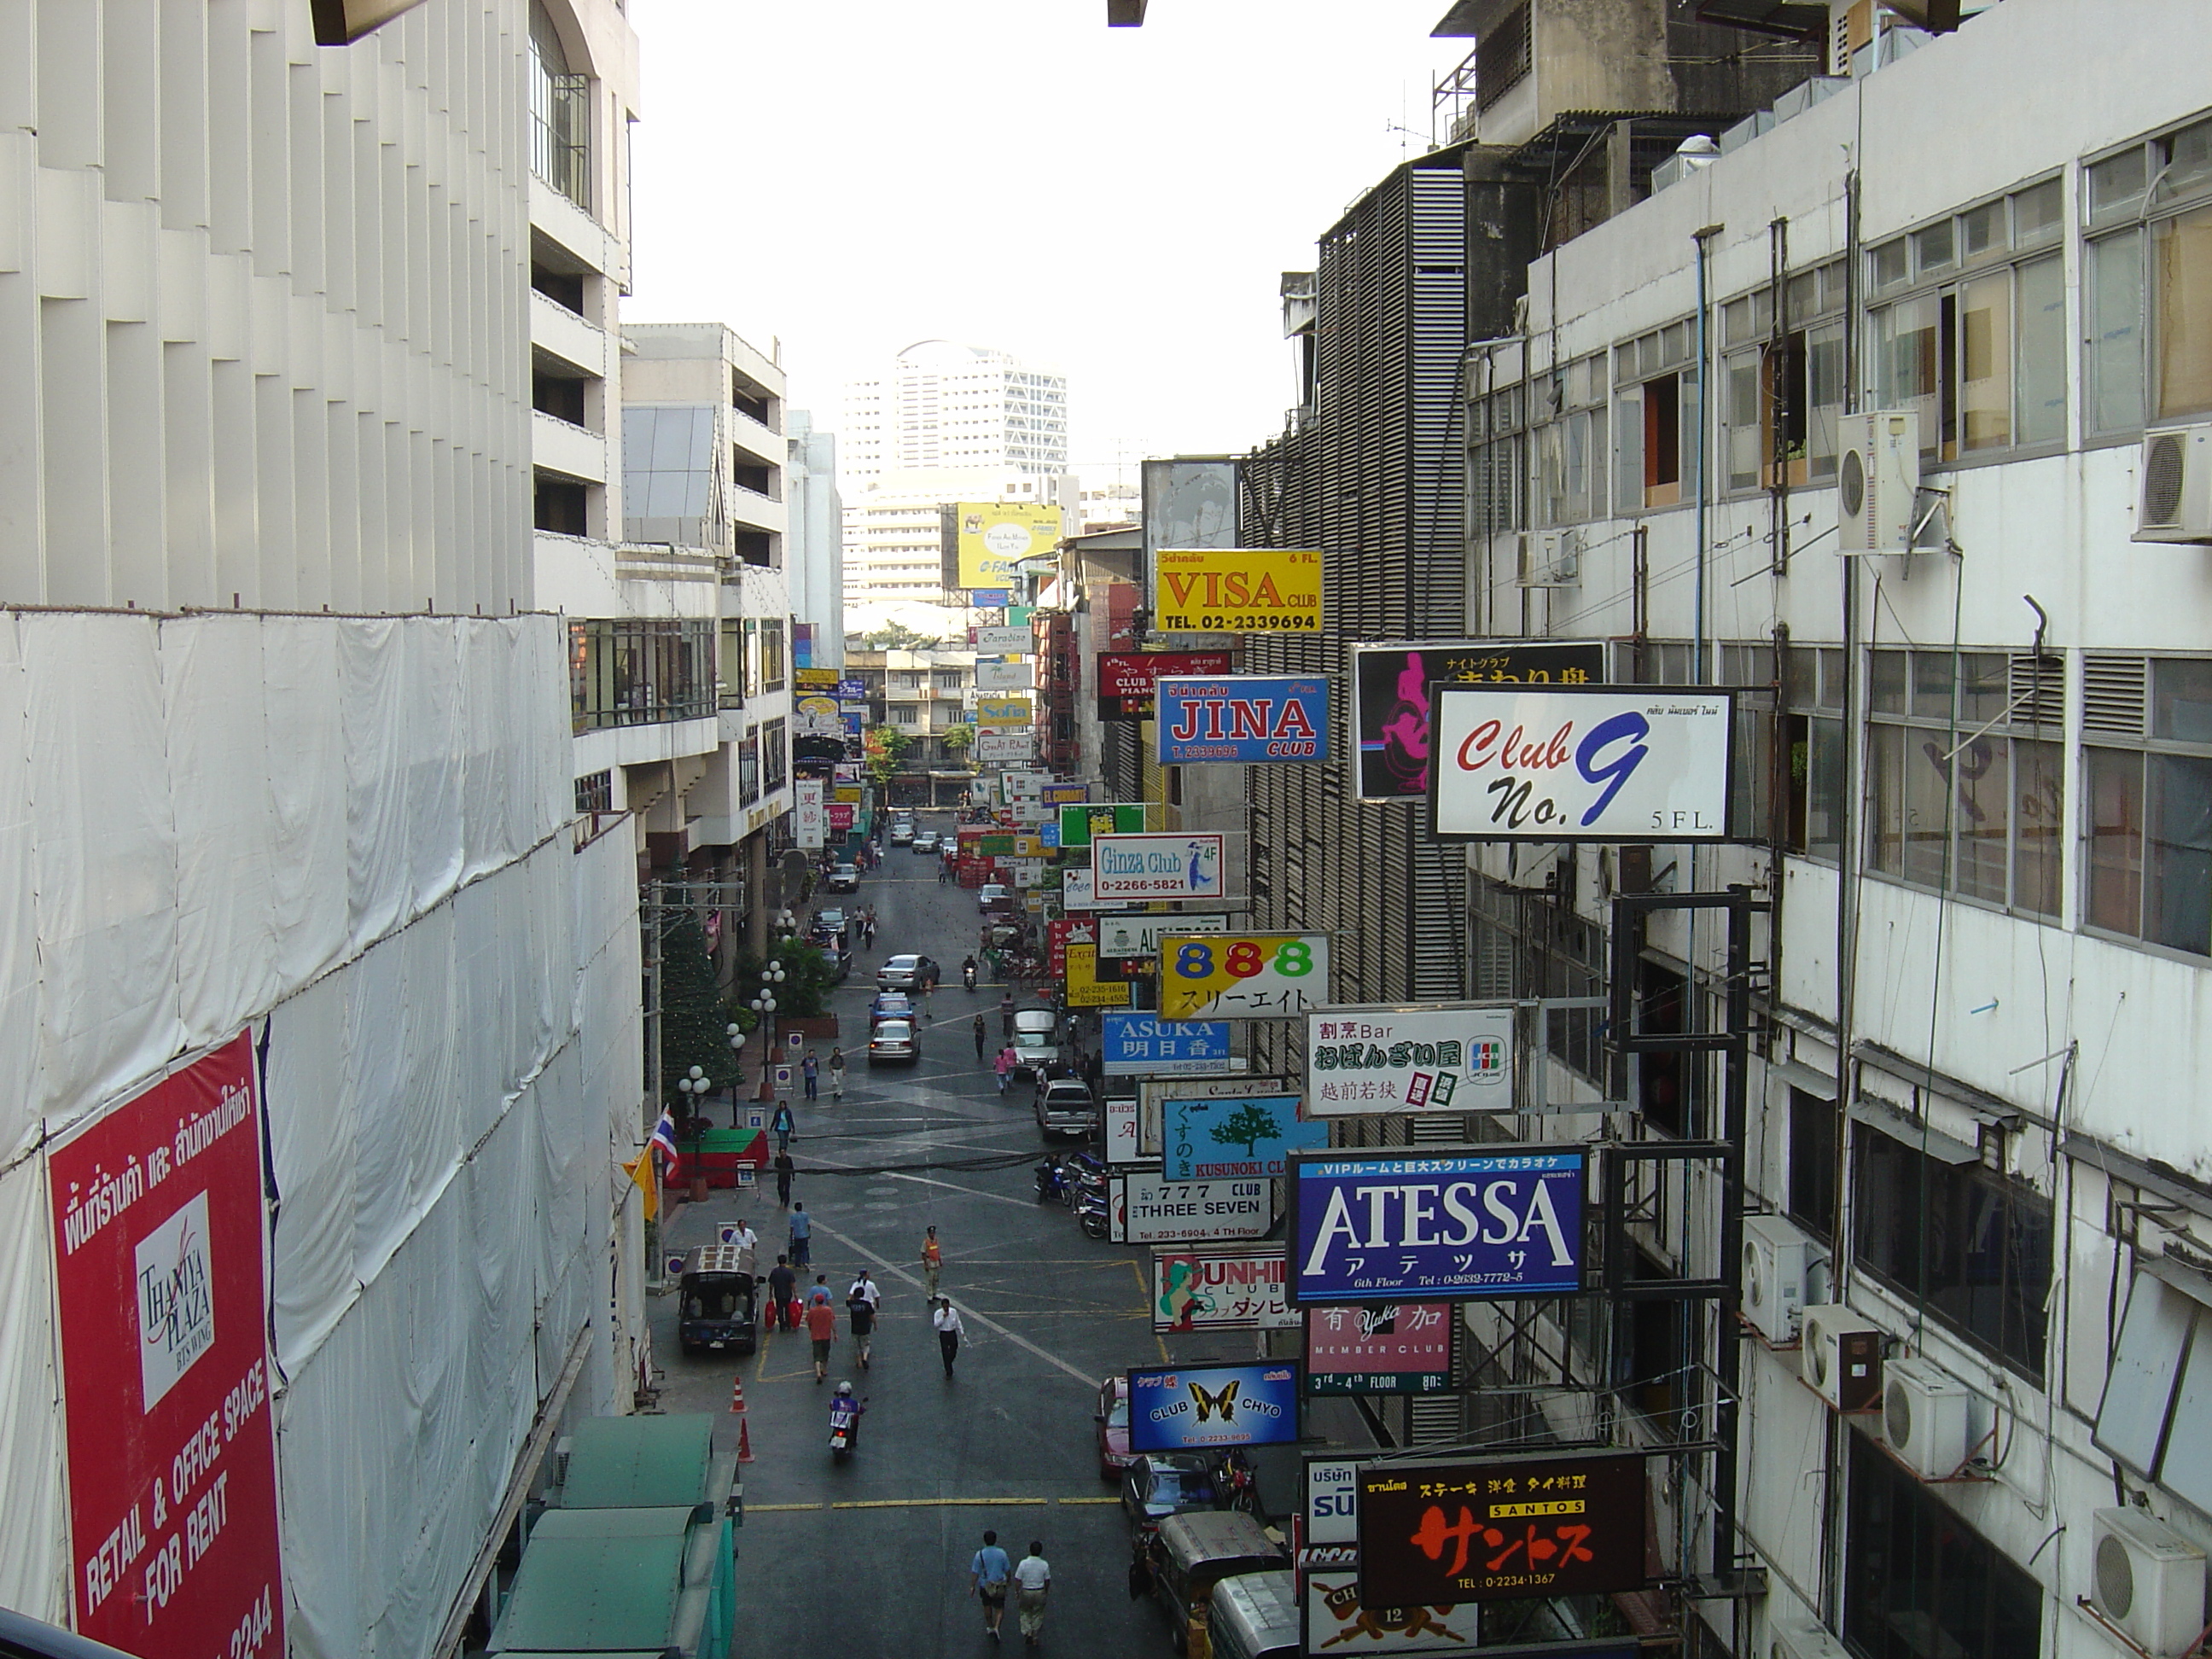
991, 1576
809, 1068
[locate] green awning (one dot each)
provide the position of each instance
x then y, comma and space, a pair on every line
640, 1462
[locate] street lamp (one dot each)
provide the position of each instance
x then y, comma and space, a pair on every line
693, 1089
736, 1033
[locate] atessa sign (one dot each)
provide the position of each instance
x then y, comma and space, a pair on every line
1446, 1225
1127, 680
1566, 764
1497, 1529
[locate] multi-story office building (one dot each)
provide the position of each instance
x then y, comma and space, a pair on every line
288, 857
814, 543
923, 695
943, 405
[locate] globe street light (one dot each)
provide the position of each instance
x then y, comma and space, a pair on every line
736, 1033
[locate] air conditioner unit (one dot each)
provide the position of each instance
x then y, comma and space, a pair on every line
1877, 477
1803, 1642
1927, 1417
2148, 1580
2174, 502
1550, 558
1841, 1358
1775, 1254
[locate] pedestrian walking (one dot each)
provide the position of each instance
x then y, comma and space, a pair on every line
1003, 1065
982, 1036
818, 1297
748, 1243
782, 1295
949, 1330
802, 1236
861, 1302
944, 872
811, 1069
836, 1074
822, 1330
988, 1570
784, 1168
784, 1124
1032, 1581
932, 1262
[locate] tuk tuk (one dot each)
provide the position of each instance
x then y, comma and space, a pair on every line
715, 1304
1256, 1616
1192, 1553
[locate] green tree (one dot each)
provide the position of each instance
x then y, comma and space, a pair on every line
691, 1014
882, 747
897, 637
807, 983
1246, 1127
958, 740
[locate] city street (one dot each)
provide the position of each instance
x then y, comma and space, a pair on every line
870, 1557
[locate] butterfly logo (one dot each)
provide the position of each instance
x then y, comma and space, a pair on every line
1214, 1405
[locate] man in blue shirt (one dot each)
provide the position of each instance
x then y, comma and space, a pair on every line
988, 1570
802, 1236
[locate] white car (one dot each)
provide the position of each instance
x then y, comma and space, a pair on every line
994, 896
926, 842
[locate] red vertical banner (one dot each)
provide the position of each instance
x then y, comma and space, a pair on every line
157, 1206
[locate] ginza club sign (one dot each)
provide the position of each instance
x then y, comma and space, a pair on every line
1566, 764
1446, 1224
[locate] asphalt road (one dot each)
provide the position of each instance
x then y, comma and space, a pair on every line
869, 1558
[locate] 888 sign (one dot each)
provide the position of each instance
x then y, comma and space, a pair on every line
1241, 976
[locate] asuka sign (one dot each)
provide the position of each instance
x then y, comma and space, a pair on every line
1388, 1227
1561, 763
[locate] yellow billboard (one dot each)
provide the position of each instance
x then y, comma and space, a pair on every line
1084, 989
1003, 711
994, 536
1236, 590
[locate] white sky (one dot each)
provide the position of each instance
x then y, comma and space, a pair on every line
850, 176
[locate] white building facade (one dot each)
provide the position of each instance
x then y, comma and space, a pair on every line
1976, 779
941, 405
287, 774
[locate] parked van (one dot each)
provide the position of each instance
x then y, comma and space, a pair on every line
1254, 1615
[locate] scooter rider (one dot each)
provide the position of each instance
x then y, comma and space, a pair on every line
845, 1413
967, 974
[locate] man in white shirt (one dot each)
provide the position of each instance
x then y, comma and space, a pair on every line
748, 1243
1032, 1579
946, 1319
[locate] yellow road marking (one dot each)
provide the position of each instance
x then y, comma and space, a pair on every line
932, 1503
771, 1508
1086, 1500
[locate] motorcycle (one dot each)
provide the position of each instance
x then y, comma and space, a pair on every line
1052, 1182
968, 976
1091, 1213
844, 1426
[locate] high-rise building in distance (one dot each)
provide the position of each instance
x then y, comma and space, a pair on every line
941, 405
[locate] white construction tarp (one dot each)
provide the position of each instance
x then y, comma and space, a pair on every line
356, 831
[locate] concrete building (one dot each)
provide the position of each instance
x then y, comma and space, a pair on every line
941, 406
922, 695
289, 856
814, 543
1970, 779
703, 454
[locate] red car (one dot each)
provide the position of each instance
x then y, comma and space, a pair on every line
1113, 1420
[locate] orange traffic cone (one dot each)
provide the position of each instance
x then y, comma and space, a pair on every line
745, 1441
737, 1394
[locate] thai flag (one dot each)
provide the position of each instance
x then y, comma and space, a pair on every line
664, 1141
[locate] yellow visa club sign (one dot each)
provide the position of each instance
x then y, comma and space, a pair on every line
1236, 590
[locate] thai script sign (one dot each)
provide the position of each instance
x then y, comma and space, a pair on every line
1390, 698
1236, 590
1547, 1525
1139, 935
1244, 718
1175, 1408
1127, 680
1409, 1060
1241, 976
1145, 1045
1391, 1348
1226, 1080
1218, 1287
1203, 1140
1082, 986
1390, 1227
1125, 867
1618, 763
1157, 1211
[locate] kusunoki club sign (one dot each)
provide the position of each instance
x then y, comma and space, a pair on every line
1242, 717
1388, 1227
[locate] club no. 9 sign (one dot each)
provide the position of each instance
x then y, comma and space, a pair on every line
1241, 976
1558, 763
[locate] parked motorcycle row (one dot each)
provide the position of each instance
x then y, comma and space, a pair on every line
1079, 1181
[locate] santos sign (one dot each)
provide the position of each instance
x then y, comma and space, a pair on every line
1390, 1227
1559, 763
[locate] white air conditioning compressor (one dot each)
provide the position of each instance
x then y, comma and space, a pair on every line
1550, 558
1927, 1417
1841, 1358
1803, 1642
1775, 1258
1877, 480
2147, 1579
2173, 498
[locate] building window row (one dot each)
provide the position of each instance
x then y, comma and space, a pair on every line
639, 671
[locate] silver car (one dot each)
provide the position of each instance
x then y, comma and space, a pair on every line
1064, 1107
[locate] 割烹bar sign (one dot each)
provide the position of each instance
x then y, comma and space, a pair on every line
1394, 1226
1567, 1524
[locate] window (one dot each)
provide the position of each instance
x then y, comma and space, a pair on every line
748, 768
561, 507
1965, 775
1656, 420
1569, 486
639, 670
906, 714
2156, 1414
1783, 396
1813, 1163
595, 792
947, 679
1970, 1245
1982, 359
776, 757
1919, 1581
903, 679
559, 114
561, 396
732, 665
771, 654
1523, 945
2147, 283
1498, 472
2147, 770
1813, 739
